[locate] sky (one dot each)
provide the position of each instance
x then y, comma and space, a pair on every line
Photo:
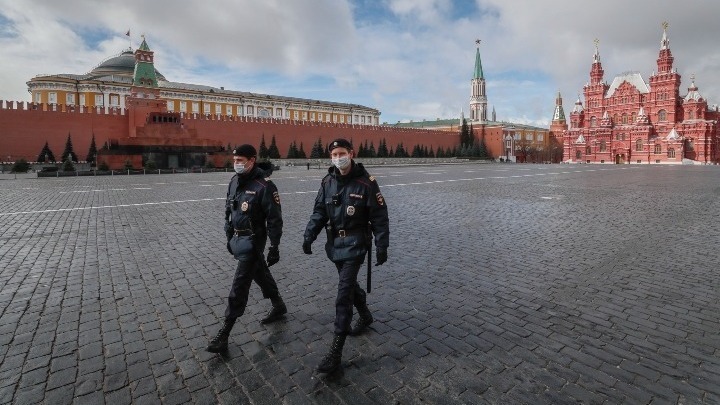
410, 59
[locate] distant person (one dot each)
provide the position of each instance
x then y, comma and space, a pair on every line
252, 215
351, 208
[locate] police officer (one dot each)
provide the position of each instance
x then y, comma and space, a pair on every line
252, 214
349, 205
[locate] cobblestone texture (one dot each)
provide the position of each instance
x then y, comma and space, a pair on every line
506, 284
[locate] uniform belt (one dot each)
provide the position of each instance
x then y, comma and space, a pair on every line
243, 232
341, 233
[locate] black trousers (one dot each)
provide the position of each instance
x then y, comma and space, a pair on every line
349, 294
246, 272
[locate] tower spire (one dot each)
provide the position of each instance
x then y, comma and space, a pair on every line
478, 100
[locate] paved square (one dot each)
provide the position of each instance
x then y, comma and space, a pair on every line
506, 284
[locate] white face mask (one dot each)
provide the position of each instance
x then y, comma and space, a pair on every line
341, 162
239, 168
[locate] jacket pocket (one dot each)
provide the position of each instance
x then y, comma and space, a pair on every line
242, 246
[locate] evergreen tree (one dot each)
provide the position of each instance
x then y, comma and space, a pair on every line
46, 155
425, 151
106, 146
301, 152
263, 152
273, 152
382, 149
68, 166
483, 150
371, 152
361, 151
465, 136
317, 150
92, 151
292, 151
400, 151
415, 152
391, 153
68, 152
20, 166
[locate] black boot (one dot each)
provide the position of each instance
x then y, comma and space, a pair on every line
364, 320
278, 311
220, 342
331, 361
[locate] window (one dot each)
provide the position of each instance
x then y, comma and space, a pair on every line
239, 110
70, 98
691, 115
540, 137
603, 146
342, 118
304, 115
662, 115
516, 137
206, 108
296, 115
82, 99
250, 110
593, 121
195, 107
278, 112
264, 112
38, 97
671, 152
624, 119
218, 109
587, 150
633, 118
52, 97
327, 117
578, 155
115, 100
528, 137
658, 149
183, 106
639, 145
689, 144
312, 116
99, 100
228, 110
170, 105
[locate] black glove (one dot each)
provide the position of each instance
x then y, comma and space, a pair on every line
380, 255
306, 247
229, 230
273, 255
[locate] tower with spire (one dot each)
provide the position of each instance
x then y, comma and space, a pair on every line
478, 99
558, 125
633, 121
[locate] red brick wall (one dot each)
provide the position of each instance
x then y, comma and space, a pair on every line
23, 132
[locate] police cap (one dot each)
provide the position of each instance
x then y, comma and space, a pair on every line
340, 143
245, 150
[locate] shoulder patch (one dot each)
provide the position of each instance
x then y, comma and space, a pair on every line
380, 199
372, 178
276, 197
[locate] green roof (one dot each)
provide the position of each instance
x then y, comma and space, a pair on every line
478, 66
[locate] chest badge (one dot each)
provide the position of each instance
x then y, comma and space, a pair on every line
350, 210
244, 206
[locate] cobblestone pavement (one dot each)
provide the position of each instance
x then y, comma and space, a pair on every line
506, 284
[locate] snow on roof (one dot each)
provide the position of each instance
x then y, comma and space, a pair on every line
633, 78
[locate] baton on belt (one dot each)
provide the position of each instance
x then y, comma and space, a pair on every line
369, 262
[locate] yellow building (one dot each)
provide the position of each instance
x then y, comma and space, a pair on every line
108, 84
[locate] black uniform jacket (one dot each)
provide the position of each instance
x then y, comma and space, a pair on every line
253, 210
345, 205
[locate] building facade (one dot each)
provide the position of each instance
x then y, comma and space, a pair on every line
134, 115
633, 121
108, 86
507, 141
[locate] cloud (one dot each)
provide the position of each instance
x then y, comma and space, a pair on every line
411, 59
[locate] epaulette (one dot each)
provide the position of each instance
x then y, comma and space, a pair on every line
371, 178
